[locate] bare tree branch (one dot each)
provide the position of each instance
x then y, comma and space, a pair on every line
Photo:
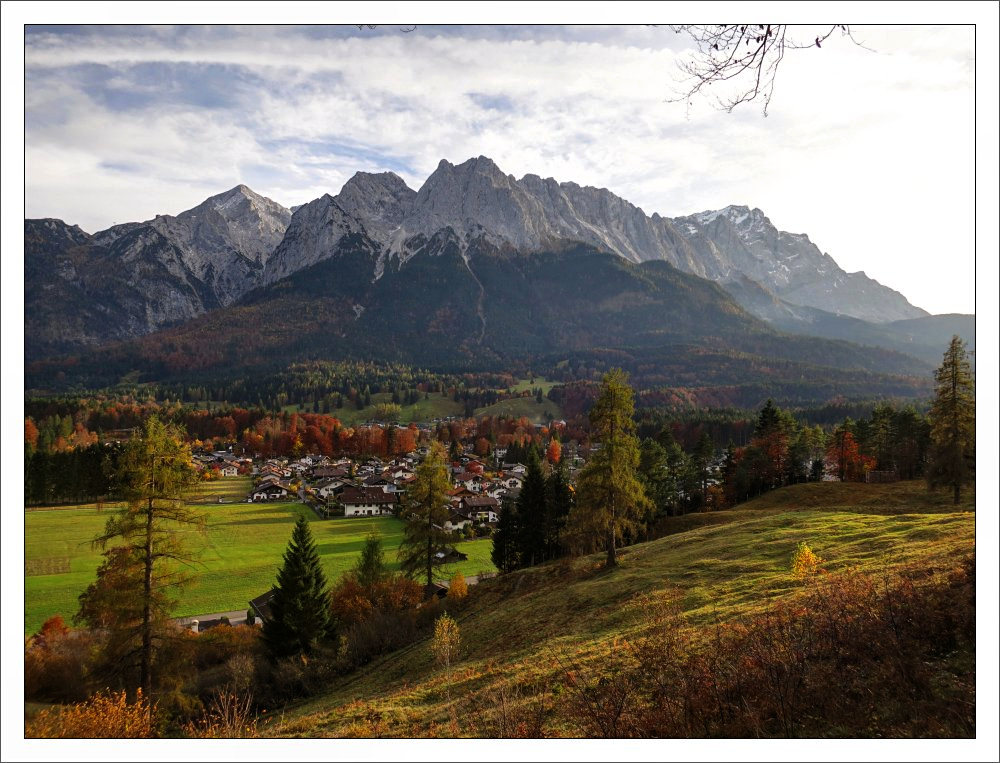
744, 56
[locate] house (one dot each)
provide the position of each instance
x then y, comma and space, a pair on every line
482, 508
451, 554
455, 495
229, 470
329, 471
262, 605
457, 521
367, 502
269, 491
512, 481
329, 488
469, 481
399, 472
273, 470
437, 590
379, 481
495, 489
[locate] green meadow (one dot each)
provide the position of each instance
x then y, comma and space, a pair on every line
237, 556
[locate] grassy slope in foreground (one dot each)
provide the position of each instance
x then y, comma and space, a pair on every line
520, 631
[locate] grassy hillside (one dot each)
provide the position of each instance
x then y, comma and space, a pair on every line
239, 554
531, 639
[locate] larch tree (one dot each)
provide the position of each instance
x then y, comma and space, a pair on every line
425, 510
300, 610
151, 475
610, 498
953, 422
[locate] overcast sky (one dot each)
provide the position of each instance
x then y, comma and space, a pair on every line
868, 150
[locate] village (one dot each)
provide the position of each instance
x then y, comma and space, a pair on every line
346, 487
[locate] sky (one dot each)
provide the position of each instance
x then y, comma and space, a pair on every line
868, 146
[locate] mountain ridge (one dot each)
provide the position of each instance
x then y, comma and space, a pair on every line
171, 269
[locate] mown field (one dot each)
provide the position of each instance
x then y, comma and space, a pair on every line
238, 555
524, 635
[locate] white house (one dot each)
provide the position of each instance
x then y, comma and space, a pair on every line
271, 491
366, 502
512, 481
328, 488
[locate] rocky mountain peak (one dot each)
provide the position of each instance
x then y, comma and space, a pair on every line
314, 233
53, 232
474, 197
381, 200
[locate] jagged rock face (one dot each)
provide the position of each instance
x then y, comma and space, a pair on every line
600, 218
532, 214
223, 243
380, 201
313, 235
736, 241
477, 200
226, 240
46, 243
135, 278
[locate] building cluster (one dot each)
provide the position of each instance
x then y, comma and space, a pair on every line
347, 487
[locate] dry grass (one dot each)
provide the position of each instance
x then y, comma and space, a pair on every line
523, 633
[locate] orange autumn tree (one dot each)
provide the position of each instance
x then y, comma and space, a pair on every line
844, 455
554, 452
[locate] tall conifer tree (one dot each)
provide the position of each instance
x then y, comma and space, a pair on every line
300, 609
504, 551
425, 510
558, 504
152, 474
610, 498
531, 514
953, 422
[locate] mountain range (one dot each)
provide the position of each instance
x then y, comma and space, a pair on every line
476, 264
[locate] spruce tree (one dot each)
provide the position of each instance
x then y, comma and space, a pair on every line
300, 609
370, 569
531, 514
953, 422
558, 504
504, 551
